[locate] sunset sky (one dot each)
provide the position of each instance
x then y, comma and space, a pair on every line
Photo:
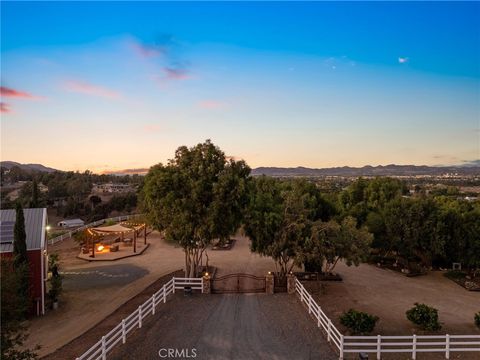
108, 86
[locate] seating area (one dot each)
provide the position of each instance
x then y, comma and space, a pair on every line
110, 243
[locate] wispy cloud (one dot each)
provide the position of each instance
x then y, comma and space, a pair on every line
337, 62
165, 51
90, 89
162, 45
211, 104
403, 60
12, 93
4, 107
6, 92
176, 73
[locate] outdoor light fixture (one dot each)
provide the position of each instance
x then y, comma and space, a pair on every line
48, 227
206, 274
100, 247
269, 273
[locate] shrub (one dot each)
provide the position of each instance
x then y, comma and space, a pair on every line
477, 319
424, 316
358, 322
455, 274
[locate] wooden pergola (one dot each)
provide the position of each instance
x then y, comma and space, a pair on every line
119, 229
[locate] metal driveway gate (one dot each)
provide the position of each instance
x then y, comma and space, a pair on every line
238, 283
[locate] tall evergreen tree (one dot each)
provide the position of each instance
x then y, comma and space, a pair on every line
20, 237
20, 260
34, 200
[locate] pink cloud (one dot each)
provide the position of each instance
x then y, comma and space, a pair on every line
4, 108
90, 89
147, 51
176, 74
8, 92
211, 104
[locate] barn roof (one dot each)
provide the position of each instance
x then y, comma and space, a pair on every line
35, 227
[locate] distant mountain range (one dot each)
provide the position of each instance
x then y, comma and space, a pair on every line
27, 167
388, 170
470, 168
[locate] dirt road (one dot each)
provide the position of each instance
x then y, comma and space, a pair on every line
223, 327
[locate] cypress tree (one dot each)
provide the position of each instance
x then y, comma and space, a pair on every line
20, 260
20, 237
34, 201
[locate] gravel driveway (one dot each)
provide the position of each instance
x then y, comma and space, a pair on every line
218, 327
101, 276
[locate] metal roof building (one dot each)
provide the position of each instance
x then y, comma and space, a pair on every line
35, 227
71, 223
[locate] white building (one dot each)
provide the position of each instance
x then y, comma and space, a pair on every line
71, 223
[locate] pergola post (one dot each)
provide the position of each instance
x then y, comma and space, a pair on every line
93, 246
134, 241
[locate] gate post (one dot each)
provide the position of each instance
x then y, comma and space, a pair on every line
269, 283
206, 285
290, 284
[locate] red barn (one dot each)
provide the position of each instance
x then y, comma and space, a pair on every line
36, 230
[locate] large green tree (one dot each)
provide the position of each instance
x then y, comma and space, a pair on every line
195, 198
279, 217
410, 225
331, 242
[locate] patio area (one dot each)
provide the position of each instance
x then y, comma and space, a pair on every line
124, 251
109, 243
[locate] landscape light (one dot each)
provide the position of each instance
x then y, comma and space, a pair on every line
100, 247
48, 227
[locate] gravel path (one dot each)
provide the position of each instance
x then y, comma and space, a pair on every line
221, 327
101, 276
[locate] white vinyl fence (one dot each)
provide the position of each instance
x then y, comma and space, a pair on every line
379, 344
119, 333
69, 234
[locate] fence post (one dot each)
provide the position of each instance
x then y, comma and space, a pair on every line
414, 347
140, 316
447, 346
164, 294
309, 303
124, 332
329, 329
173, 284
153, 304
379, 347
341, 347
104, 352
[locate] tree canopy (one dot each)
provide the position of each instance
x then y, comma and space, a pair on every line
195, 198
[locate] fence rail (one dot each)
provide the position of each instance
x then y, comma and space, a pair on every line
69, 234
119, 333
386, 344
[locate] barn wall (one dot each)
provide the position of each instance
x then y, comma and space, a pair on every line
35, 261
